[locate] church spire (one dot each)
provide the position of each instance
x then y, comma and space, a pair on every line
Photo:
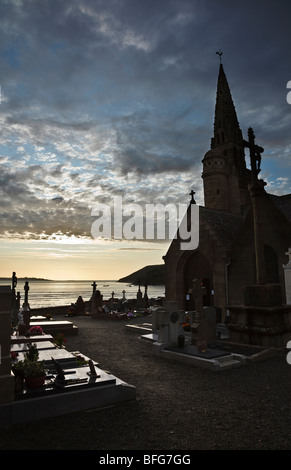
226, 125
225, 176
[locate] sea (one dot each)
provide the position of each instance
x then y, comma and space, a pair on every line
56, 293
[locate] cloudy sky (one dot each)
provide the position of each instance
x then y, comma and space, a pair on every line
104, 98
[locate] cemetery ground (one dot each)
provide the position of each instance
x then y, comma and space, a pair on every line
178, 407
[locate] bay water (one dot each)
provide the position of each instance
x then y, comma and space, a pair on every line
56, 293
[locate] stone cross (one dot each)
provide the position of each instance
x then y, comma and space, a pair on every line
255, 154
198, 292
14, 299
26, 289
192, 197
94, 285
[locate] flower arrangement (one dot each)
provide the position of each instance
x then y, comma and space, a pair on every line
186, 324
81, 361
35, 330
71, 311
30, 368
59, 340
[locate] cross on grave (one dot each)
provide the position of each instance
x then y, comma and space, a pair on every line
255, 153
94, 285
14, 299
26, 289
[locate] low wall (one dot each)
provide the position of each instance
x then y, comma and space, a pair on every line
59, 310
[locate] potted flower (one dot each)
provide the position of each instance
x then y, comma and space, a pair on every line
35, 330
59, 340
34, 370
34, 373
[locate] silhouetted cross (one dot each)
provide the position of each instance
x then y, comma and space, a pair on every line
192, 197
255, 153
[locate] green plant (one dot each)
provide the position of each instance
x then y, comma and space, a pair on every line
31, 353
34, 368
18, 368
59, 340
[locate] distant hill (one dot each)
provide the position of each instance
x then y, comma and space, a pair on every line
149, 275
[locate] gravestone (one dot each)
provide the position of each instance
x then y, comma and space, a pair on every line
146, 299
25, 312
171, 324
139, 297
210, 317
156, 318
203, 329
287, 275
97, 300
6, 377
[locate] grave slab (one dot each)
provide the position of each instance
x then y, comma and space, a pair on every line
194, 351
16, 339
23, 347
54, 326
64, 357
83, 392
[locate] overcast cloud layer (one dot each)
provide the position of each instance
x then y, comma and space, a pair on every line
116, 97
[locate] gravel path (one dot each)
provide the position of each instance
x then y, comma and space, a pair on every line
178, 407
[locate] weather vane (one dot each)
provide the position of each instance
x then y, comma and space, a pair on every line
220, 54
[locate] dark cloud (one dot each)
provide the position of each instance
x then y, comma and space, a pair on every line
103, 97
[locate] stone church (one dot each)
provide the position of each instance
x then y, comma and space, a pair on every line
231, 236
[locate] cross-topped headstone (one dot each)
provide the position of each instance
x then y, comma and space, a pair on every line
198, 292
14, 299
25, 305
94, 285
255, 153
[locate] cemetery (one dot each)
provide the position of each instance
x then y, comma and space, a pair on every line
39, 377
74, 382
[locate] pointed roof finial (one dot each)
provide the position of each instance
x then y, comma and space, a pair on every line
220, 54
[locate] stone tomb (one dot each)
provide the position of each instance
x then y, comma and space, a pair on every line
53, 327
71, 385
166, 340
23, 347
77, 389
63, 356
19, 339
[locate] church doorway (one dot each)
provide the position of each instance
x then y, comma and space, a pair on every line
197, 266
